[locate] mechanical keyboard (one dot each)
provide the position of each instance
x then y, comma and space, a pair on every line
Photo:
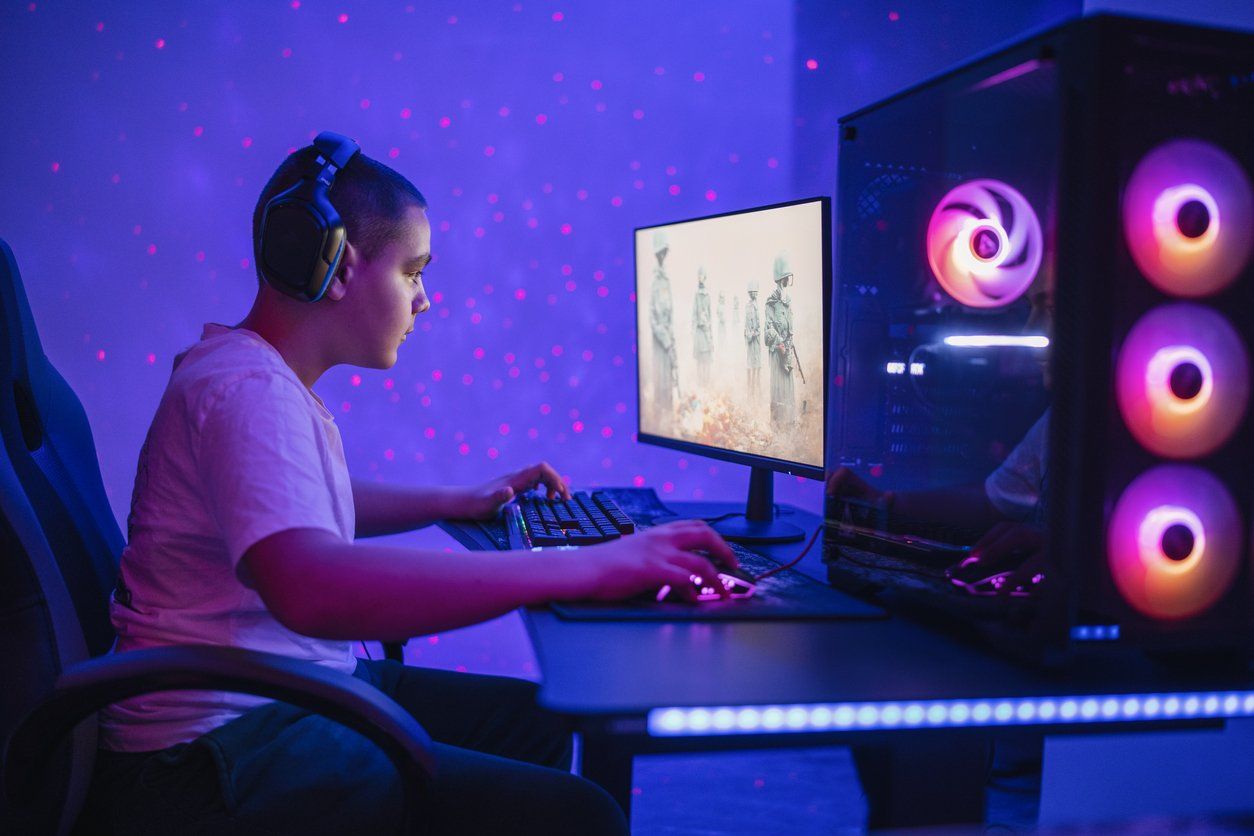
582, 520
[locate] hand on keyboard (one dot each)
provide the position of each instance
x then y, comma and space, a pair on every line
483, 502
665, 555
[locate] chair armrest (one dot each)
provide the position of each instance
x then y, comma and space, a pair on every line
87, 687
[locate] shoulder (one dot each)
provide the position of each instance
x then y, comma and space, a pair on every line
233, 368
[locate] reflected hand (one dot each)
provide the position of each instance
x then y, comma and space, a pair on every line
1010, 559
845, 484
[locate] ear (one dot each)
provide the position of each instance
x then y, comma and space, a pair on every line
350, 266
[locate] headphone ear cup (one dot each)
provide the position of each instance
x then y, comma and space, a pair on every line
291, 241
302, 242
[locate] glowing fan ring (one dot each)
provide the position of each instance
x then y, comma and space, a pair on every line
1197, 262
1167, 208
975, 215
1153, 581
1161, 367
1170, 338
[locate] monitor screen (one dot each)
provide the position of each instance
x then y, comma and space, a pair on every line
732, 317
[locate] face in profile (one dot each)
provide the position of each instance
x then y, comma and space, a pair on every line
385, 293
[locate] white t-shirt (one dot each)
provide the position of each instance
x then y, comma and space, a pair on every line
1014, 488
239, 449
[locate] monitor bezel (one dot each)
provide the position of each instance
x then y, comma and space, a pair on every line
791, 468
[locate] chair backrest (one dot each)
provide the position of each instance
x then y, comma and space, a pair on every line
59, 541
47, 439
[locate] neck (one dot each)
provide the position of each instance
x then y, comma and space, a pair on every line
289, 336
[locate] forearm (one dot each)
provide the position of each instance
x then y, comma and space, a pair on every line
390, 509
965, 506
364, 591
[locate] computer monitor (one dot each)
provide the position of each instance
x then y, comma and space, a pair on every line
733, 318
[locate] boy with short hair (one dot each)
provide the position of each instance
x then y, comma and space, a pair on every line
244, 530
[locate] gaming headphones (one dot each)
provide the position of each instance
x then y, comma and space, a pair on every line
302, 236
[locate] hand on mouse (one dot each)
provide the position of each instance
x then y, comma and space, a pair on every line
1010, 559
664, 555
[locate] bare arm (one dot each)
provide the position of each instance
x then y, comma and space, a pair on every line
389, 509
319, 585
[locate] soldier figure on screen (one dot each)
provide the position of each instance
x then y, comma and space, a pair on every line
661, 309
753, 340
702, 329
778, 337
735, 311
722, 320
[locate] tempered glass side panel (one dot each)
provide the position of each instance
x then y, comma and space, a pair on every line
944, 285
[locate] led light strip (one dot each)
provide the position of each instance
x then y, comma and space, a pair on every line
1033, 711
996, 341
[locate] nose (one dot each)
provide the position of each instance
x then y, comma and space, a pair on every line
421, 302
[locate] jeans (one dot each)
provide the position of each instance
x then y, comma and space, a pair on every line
502, 767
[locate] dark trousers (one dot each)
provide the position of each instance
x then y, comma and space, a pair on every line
502, 768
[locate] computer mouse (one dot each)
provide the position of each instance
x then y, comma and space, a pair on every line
982, 577
737, 587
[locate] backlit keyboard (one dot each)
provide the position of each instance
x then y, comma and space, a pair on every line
582, 520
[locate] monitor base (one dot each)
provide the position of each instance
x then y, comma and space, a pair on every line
763, 532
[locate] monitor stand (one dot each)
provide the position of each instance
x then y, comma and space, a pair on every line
758, 525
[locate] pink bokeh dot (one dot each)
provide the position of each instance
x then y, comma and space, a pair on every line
343, 18
355, 380
100, 355
541, 118
151, 358
711, 195
812, 64
698, 76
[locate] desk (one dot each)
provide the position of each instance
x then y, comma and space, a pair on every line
912, 702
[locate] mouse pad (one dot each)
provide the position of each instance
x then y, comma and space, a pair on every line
788, 595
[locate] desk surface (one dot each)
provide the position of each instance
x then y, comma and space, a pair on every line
629, 668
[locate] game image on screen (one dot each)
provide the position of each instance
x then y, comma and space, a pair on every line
730, 332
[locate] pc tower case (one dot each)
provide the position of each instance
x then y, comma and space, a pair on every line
1045, 300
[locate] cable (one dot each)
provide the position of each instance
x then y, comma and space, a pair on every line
363, 647
795, 560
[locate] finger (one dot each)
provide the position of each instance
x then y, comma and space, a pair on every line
697, 565
544, 474
701, 537
679, 580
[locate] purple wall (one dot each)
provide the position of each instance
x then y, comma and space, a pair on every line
139, 136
